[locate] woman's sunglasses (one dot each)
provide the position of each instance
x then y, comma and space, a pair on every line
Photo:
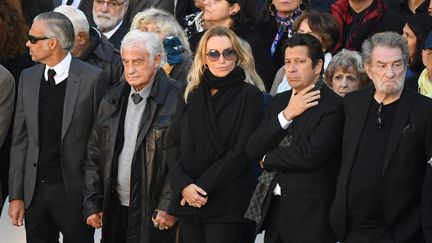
34, 39
228, 54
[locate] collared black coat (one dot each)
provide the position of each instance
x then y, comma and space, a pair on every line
150, 153
102, 54
307, 169
408, 150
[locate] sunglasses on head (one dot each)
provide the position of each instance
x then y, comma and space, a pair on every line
34, 39
228, 54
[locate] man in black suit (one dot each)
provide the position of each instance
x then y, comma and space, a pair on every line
386, 144
300, 139
56, 105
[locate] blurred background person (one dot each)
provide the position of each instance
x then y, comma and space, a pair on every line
320, 25
425, 79
407, 8
415, 32
211, 179
345, 72
357, 20
7, 100
164, 24
92, 46
14, 57
276, 25
111, 19
239, 16
194, 22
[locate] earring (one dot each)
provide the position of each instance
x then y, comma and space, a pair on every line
302, 7
272, 9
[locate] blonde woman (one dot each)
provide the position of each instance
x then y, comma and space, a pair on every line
211, 179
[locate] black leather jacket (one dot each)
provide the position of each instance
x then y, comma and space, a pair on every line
103, 148
102, 54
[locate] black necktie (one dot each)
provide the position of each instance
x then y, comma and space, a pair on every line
69, 2
136, 98
51, 74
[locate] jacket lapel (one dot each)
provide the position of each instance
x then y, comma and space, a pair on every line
71, 95
360, 114
156, 98
32, 95
399, 123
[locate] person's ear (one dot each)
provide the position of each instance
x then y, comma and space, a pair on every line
81, 38
234, 9
157, 61
318, 67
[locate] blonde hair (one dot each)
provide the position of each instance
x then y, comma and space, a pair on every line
166, 22
244, 59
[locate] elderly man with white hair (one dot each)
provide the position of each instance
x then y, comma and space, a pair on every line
127, 189
91, 46
110, 17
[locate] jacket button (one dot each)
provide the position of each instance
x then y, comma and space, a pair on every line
34, 164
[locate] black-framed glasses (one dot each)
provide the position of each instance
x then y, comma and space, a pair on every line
229, 54
33, 39
379, 116
109, 3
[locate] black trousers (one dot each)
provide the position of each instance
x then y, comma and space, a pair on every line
117, 223
200, 232
271, 223
50, 213
379, 234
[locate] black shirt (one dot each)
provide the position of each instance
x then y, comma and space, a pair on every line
365, 210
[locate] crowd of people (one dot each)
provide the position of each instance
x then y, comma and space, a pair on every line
209, 121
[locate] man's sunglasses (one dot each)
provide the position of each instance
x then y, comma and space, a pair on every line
34, 39
229, 54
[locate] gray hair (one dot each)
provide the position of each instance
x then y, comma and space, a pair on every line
76, 16
58, 26
147, 41
346, 59
387, 39
166, 22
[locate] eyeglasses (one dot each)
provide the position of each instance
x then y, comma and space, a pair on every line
229, 54
34, 39
379, 116
109, 3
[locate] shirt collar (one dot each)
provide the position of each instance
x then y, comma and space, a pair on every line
61, 69
111, 32
144, 93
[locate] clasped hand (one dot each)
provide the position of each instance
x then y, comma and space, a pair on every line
194, 195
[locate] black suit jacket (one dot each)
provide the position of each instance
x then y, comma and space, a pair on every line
117, 37
307, 169
404, 166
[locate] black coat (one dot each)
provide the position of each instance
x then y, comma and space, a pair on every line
228, 181
408, 150
102, 54
150, 153
307, 169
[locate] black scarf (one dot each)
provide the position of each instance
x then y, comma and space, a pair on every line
214, 121
234, 78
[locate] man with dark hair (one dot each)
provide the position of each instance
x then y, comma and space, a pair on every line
387, 142
92, 46
299, 143
57, 101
